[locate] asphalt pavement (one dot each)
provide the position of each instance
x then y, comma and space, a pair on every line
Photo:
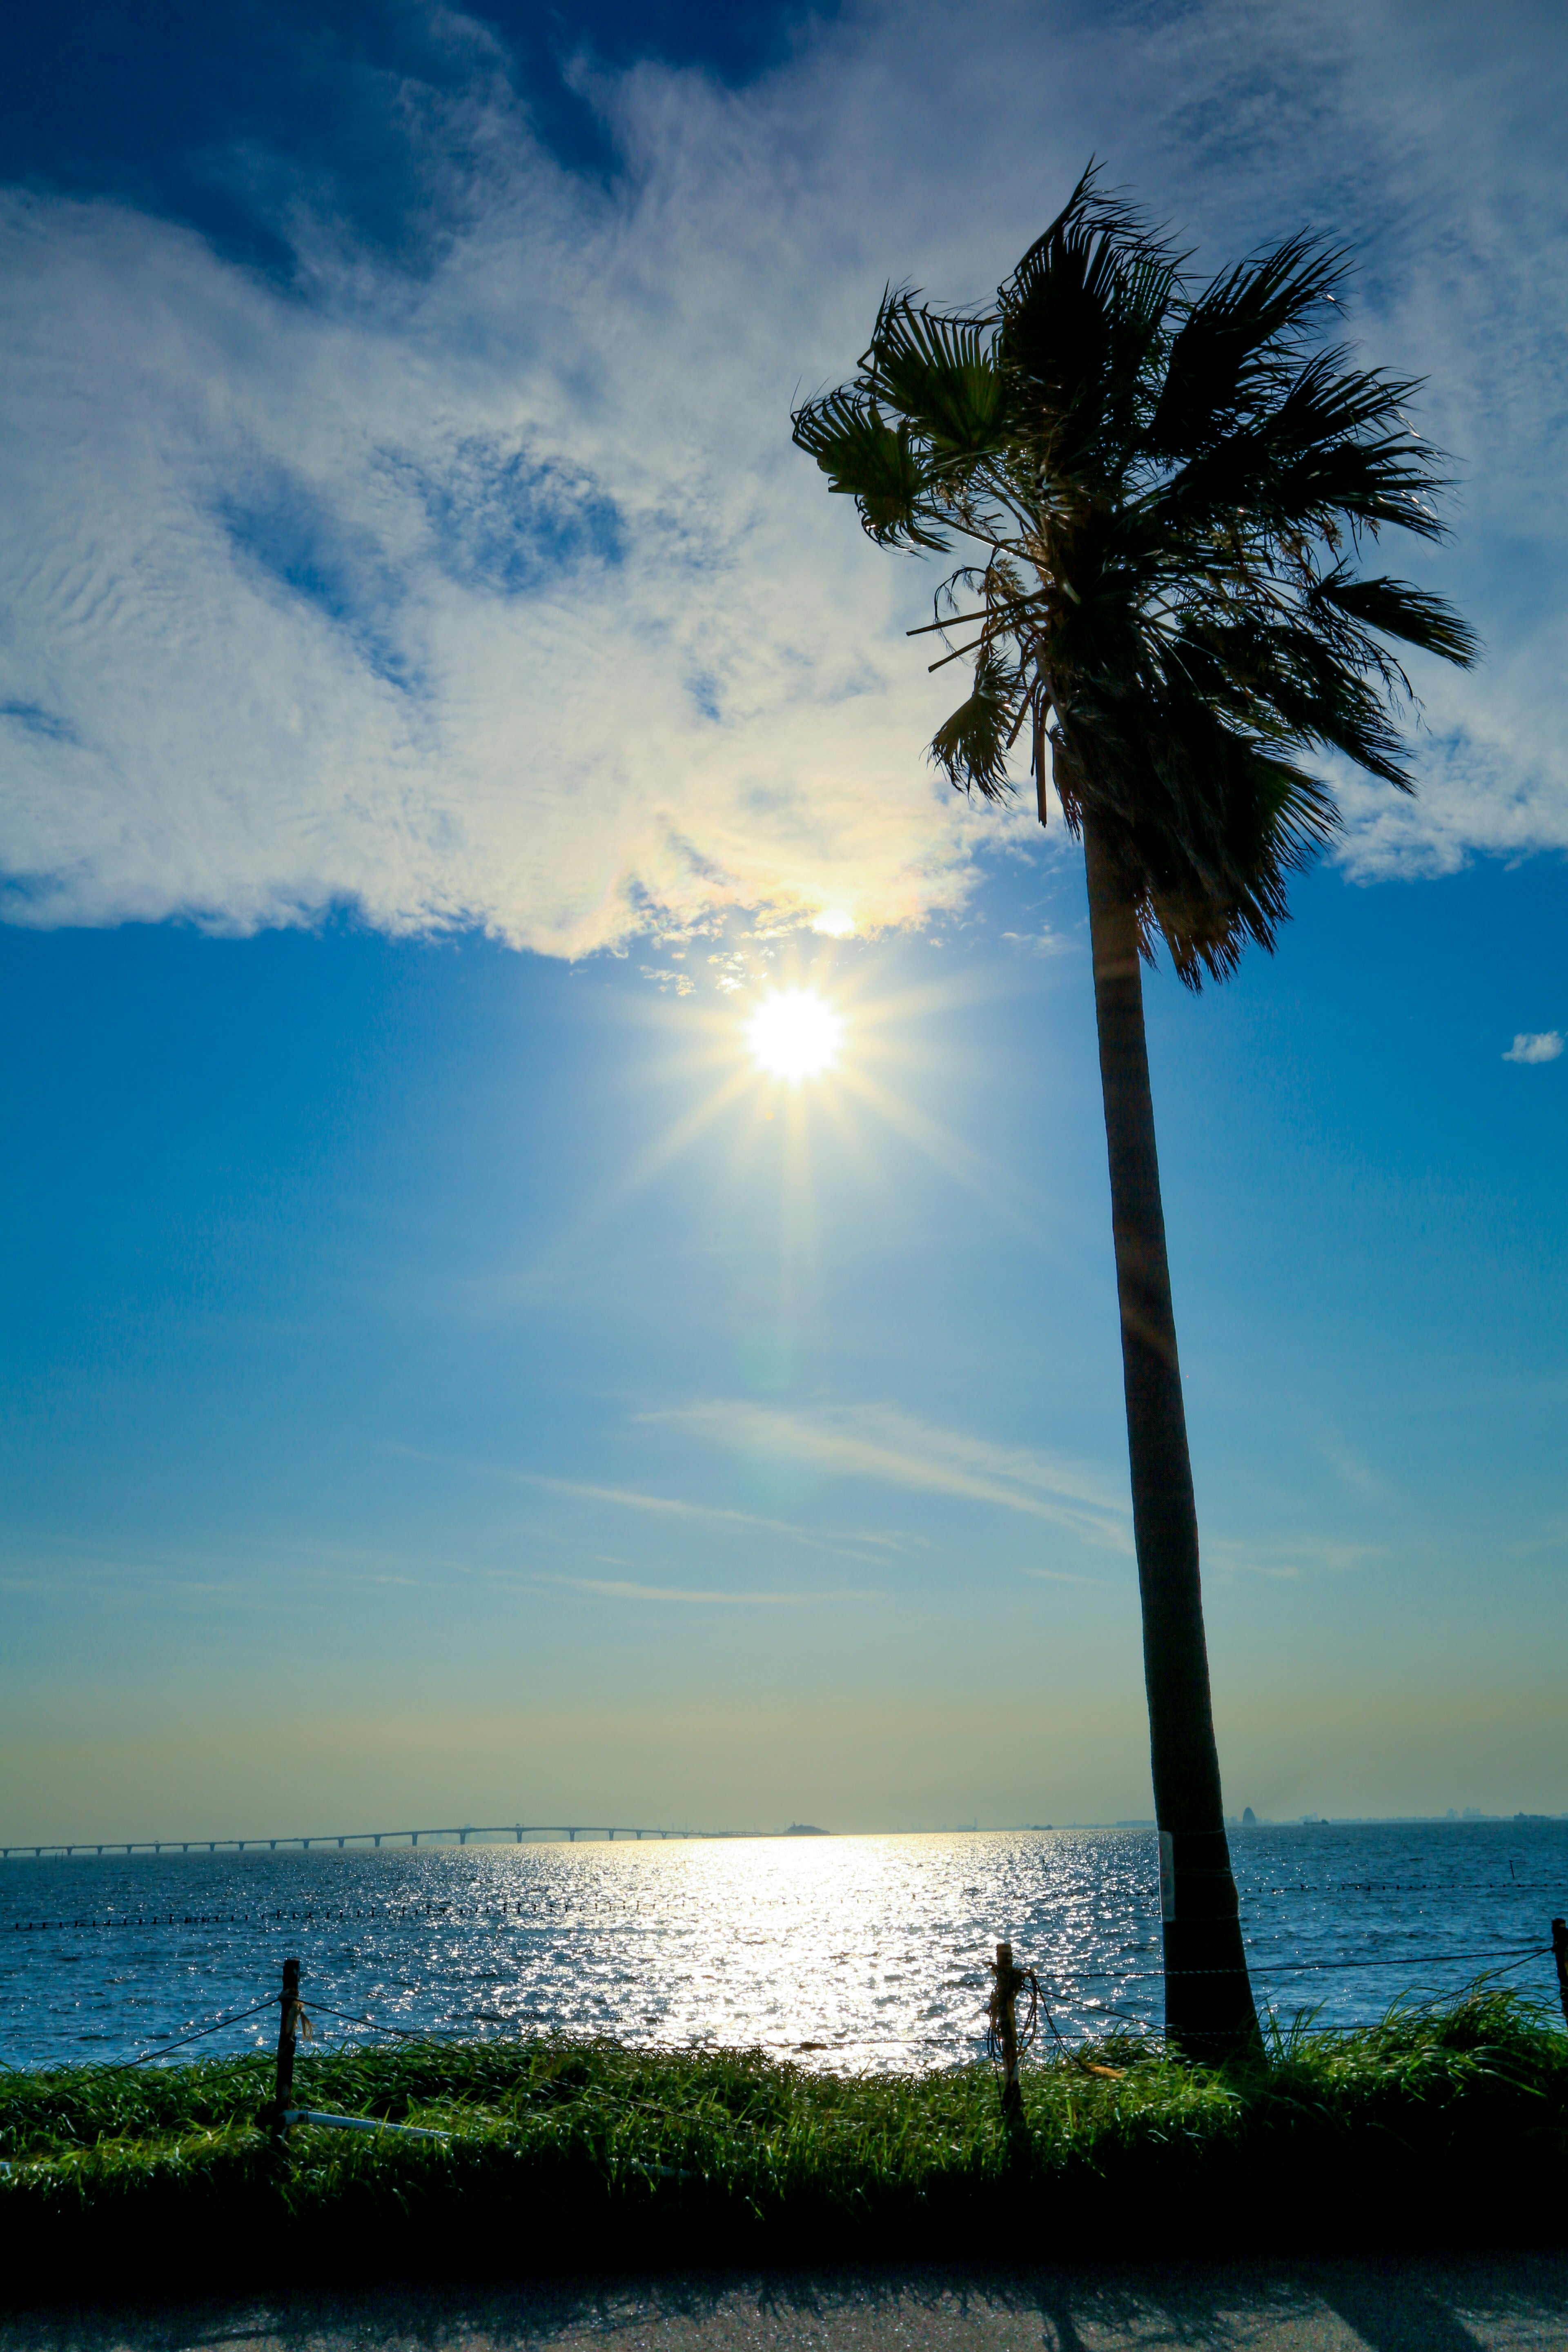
1502, 2302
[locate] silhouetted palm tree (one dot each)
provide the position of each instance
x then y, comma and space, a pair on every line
1168, 492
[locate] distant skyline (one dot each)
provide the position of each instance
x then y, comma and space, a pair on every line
439, 1370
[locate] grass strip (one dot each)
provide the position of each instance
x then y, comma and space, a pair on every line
1446, 2122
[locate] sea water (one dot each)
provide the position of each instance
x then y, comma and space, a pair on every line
848, 1952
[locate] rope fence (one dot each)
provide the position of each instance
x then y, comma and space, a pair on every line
1006, 2041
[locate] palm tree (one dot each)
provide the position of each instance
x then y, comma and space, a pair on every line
1166, 492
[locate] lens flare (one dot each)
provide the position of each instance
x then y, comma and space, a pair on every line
793, 1035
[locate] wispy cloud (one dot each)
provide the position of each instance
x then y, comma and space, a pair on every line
1038, 943
1353, 1471
495, 594
1535, 1045
631, 1499
895, 1449
847, 1543
1284, 1559
620, 1589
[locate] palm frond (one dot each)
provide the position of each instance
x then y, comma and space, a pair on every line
1294, 682
1235, 340
1089, 213
1275, 818
1204, 821
938, 374
972, 747
1081, 317
877, 464
1321, 455
1394, 609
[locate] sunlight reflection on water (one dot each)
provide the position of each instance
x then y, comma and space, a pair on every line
845, 1952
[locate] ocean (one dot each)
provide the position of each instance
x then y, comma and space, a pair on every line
846, 1952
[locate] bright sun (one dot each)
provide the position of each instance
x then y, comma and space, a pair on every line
793, 1035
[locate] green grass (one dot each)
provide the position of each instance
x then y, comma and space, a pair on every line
1444, 2121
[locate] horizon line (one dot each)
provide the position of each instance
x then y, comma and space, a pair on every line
596, 1832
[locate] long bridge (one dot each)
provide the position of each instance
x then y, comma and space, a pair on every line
517, 1831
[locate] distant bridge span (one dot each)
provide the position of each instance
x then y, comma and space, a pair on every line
487, 1833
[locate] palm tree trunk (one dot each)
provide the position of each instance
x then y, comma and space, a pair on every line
1209, 2012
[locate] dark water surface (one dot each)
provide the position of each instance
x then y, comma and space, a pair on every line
870, 1951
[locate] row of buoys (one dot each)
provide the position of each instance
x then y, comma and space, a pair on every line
40, 1927
506, 1910
244, 1919
1402, 1886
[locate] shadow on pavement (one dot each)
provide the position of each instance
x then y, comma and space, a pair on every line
1394, 2304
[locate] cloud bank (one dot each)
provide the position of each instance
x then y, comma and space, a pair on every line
490, 591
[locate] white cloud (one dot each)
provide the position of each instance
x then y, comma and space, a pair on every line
1045, 942
264, 655
1539, 1045
497, 594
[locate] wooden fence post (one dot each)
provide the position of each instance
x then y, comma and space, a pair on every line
1559, 1954
288, 2001
1006, 2010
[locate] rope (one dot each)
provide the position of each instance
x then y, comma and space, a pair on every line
1025, 1979
119, 2065
402, 2033
1259, 1965
1398, 1959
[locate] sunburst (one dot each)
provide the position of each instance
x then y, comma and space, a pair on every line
795, 1035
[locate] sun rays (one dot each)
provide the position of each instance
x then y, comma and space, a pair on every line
827, 1050
830, 1057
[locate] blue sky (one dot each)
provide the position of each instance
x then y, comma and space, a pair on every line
435, 702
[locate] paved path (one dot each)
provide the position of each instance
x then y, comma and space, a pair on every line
1398, 2304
